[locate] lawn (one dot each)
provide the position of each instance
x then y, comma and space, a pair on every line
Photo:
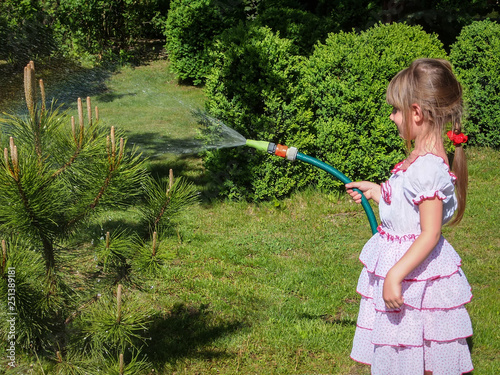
269, 288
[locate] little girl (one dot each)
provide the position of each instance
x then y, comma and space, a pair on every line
412, 318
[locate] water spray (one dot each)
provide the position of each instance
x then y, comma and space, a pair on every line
291, 153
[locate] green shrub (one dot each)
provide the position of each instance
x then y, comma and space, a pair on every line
253, 89
346, 79
190, 30
476, 59
331, 106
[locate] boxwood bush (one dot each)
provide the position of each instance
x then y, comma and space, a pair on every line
476, 58
253, 89
330, 106
346, 79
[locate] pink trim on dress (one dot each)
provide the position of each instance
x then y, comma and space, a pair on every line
393, 311
437, 194
386, 191
422, 308
437, 276
399, 345
369, 364
398, 168
416, 280
451, 340
392, 237
416, 308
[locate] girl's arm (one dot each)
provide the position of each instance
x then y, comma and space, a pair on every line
431, 213
370, 190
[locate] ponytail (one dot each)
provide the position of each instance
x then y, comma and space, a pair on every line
459, 169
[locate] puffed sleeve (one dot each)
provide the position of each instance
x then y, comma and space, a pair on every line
427, 178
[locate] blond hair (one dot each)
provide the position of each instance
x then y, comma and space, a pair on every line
431, 84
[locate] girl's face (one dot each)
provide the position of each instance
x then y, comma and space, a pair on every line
406, 131
397, 117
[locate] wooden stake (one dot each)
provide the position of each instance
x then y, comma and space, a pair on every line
29, 87
13, 156
80, 119
122, 148
6, 157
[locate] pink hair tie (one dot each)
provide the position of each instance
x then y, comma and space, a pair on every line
457, 139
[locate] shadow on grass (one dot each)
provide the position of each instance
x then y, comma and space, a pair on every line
78, 83
188, 332
330, 319
108, 97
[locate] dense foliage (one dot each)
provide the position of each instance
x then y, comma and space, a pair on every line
303, 28
253, 89
107, 27
24, 31
98, 29
476, 58
192, 26
191, 29
346, 79
104, 29
330, 106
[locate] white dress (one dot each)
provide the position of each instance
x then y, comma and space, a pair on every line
429, 331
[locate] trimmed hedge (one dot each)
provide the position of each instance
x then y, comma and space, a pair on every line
346, 79
330, 106
476, 59
253, 89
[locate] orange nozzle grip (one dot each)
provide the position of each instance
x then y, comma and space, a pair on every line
281, 150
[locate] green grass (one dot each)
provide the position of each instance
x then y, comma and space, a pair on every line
269, 288
286, 275
155, 112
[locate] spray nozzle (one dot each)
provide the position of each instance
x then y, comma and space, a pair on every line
290, 153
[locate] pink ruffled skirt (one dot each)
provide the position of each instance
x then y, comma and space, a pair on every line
429, 331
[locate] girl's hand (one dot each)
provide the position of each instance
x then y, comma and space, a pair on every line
392, 292
369, 189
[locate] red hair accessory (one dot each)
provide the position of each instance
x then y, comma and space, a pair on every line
457, 139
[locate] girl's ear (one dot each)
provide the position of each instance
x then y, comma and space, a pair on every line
416, 113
